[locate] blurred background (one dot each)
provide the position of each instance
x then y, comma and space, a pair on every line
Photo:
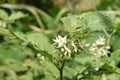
49, 12
39, 19
75, 6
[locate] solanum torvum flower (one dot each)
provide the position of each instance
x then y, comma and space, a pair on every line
99, 48
74, 46
100, 41
60, 41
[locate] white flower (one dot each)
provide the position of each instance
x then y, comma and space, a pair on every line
38, 54
100, 41
107, 47
74, 46
96, 69
98, 52
99, 49
60, 41
41, 57
67, 49
61, 44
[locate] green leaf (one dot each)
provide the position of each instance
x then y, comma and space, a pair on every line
3, 14
96, 21
27, 76
39, 41
4, 31
15, 16
113, 77
48, 22
109, 68
93, 20
117, 28
115, 42
14, 51
115, 54
70, 23
50, 68
21, 36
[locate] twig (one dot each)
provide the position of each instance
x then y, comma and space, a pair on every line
105, 32
31, 9
35, 28
61, 70
59, 15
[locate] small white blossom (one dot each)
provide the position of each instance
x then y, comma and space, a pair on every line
61, 44
96, 69
99, 49
107, 47
100, 41
67, 49
74, 46
41, 57
60, 41
38, 54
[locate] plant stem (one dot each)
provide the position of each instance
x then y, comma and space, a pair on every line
109, 35
60, 68
61, 74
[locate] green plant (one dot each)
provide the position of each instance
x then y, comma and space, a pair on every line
89, 49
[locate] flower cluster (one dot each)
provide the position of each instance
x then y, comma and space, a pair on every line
99, 49
74, 46
61, 44
80, 45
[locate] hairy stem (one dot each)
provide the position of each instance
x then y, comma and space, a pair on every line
109, 38
61, 74
109, 35
60, 68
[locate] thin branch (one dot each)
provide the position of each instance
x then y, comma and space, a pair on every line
59, 15
106, 33
63, 64
31, 9
109, 37
61, 70
57, 66
43, 13
35, 28
35, 14
23, 6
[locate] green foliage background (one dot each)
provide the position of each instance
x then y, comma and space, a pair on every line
30, 30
